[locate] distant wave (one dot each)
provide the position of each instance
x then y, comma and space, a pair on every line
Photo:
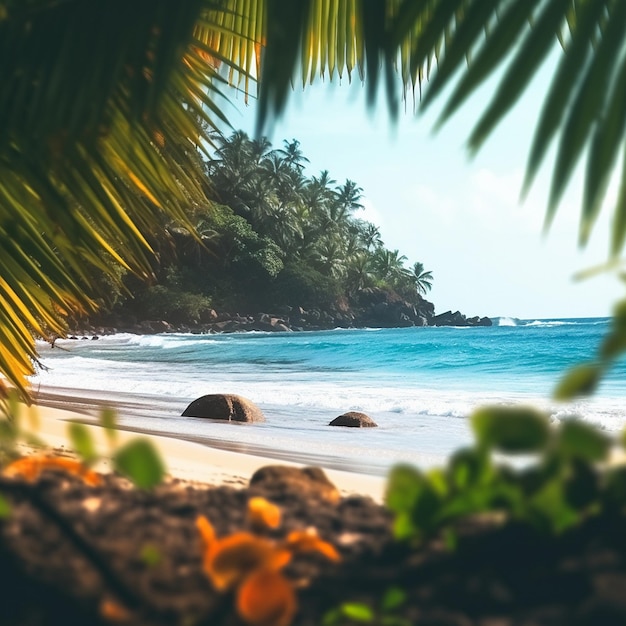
550, 323
507, 321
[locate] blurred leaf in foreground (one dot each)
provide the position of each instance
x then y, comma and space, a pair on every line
513, 430
140, 462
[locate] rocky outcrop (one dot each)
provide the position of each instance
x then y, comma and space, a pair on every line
354, 419
228, 407
371, 307
458, 319
306, 482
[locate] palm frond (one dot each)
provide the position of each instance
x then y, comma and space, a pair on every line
102, 122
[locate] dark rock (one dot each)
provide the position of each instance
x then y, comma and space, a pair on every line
211, 316
404, 321
449, 319
354, 419
227, 407
306, 481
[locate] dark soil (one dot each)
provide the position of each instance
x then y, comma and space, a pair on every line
67, 547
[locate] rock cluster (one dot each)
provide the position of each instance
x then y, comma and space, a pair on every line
374, 308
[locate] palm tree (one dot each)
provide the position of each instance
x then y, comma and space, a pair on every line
292, 154
423, 279
99, 141
389, 265
370, 236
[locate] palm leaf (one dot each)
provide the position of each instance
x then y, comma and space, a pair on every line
98, 147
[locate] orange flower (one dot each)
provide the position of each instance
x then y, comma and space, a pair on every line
309, 541
253, 565
31, 467
266, 598
263, 514
114, 612
207, 532
229, 560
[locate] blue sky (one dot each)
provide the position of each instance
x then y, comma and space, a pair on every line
461, 217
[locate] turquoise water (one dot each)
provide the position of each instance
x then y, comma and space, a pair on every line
418, 384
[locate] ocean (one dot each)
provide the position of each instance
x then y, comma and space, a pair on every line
418, 384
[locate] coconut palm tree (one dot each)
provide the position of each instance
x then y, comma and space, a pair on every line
389, 265
98, 141
423, 279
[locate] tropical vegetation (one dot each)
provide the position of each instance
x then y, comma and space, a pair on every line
271, 237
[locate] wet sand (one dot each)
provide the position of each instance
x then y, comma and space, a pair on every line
186, 457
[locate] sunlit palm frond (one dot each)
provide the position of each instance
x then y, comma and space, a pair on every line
390, 41
102, 107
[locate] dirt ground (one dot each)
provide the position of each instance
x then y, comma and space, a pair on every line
67, 549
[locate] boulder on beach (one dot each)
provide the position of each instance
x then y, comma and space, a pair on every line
354, 419
278, 480
224, 406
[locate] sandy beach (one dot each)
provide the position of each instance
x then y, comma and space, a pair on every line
188, 460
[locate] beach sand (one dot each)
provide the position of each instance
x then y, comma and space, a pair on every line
187, 460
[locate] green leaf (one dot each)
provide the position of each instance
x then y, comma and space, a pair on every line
581, 486
549, 508
427, 508
615, 485
468, 466
393, 598
150, 555
14, 406
8, 432
580, 440
511, 429
332, 617
581, 380
5, 508
357, 611
403, 526
139, 461
108, 421
403, 486
82, 442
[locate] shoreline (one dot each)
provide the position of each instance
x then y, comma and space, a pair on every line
188, 459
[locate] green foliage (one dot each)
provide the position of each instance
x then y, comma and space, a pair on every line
174, 305
302, 285
566, 483
82, 442
5, 508
583, 380
510, 429
108, 421
349, 613
12, 428
139, 461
